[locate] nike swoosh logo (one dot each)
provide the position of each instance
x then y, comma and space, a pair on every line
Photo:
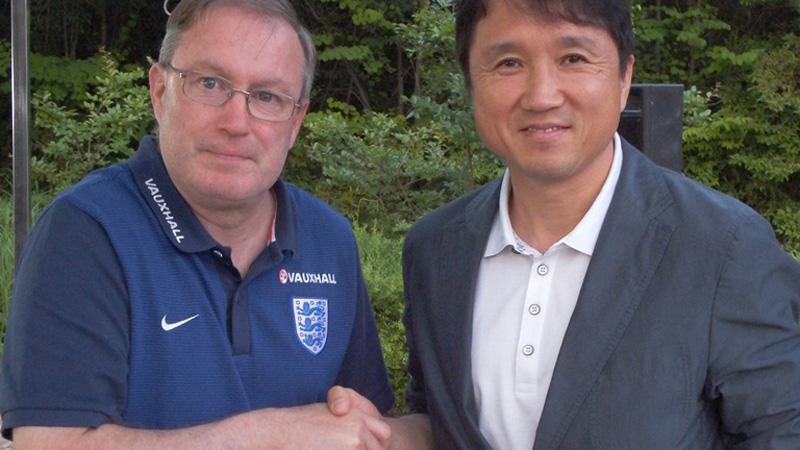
171, 326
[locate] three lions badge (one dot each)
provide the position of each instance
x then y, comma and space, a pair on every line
311, 322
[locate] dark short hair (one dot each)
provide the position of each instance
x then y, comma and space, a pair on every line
188, 11
613, 16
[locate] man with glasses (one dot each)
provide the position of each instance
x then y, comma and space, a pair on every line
189, 297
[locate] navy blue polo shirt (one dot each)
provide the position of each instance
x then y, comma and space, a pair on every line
126, 310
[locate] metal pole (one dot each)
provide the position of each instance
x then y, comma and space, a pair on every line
20, 119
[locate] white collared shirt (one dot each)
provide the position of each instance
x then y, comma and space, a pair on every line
523, 304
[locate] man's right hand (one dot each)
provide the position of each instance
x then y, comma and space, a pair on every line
301, 427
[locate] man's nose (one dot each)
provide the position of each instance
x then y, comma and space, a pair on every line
542, 90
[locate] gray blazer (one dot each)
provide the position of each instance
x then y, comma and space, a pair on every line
684, 336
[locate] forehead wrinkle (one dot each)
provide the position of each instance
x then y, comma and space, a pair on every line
569, 40
240, 33
266, 26
272, 25
583, 41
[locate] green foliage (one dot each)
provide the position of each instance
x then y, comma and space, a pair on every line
76, 28
674, 45
376, 168
442, 98
749, 147
699, 157
380, 261
5, 113
6, 258
69, 143
357, 49
430, 36
387, 170
429, 39
5, 65
7, 266
65, 79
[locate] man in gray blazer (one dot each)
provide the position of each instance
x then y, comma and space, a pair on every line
589, 299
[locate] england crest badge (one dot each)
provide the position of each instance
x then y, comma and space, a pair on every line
311, 322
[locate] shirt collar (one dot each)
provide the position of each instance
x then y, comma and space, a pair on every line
502, 234
169, 208
285, 223
582, 238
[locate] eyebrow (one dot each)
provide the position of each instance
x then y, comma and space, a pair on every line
498, 49
567, 41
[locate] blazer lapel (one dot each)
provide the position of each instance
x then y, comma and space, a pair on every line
630, 246
463, 245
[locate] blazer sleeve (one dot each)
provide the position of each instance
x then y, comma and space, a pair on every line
415, 389
754, 355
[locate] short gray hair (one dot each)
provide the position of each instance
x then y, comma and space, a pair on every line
188, 11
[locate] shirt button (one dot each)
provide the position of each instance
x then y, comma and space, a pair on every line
542, 270
534, 310
218, 254
527, 350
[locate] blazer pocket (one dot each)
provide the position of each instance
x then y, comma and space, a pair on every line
641, 400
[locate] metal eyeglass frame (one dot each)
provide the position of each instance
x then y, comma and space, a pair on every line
183, 74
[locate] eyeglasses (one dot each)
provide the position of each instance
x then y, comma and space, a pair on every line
216, 91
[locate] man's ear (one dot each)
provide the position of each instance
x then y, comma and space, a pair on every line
297, 121
158, 88
626, 83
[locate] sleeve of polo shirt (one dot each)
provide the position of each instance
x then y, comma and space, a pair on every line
363, 369
66, 346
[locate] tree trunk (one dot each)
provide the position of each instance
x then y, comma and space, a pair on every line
399, 78
423, 5
102, 10
692, 60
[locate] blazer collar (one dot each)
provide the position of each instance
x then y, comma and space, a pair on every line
632, 238
463, 244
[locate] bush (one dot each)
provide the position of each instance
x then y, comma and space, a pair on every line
69, 143
7, 243
748, 145
6, 259
380, 261
66, 80
378, 169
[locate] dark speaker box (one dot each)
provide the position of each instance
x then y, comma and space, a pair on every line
653, 122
